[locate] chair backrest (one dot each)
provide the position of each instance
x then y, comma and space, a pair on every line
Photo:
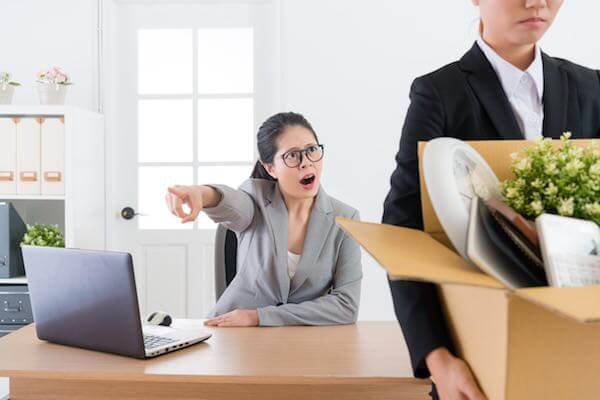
225, 259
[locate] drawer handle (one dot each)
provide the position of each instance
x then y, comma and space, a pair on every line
6, 176
8, 308
52, 176
29, 176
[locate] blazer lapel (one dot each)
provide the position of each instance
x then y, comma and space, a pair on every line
487, 87
319, 225
277, 219
556, 99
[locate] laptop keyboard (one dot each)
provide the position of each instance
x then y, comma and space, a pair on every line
152, 341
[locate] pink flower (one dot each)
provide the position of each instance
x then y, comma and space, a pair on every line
61, 78
54, 75
52, 72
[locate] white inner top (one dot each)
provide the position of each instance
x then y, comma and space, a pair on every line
293, 260
524, 89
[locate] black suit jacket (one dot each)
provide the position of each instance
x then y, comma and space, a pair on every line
465, 100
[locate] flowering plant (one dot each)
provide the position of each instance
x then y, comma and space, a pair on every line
563, 180
43, 235
5, 80
55, 76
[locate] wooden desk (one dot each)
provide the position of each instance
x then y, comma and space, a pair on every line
368, 360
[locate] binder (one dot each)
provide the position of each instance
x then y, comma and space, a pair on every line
53, 156
28, 156
8, 156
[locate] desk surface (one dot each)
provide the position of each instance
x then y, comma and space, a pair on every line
366, 361
367, 350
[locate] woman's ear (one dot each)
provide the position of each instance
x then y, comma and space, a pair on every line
270, 169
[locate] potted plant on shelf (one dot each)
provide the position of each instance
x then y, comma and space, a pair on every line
7, 88
52, 86
563, 180
43, 235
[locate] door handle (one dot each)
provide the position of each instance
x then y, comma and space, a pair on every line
128, 213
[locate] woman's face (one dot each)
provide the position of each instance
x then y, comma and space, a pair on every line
297, 174
516, 22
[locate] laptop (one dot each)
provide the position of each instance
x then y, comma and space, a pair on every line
88, 299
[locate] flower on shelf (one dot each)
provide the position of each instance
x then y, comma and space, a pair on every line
563, 180
5, 80
54, 76
43, 235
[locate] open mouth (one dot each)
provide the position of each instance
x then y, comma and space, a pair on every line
308, 179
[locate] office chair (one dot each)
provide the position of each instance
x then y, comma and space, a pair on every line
225, 259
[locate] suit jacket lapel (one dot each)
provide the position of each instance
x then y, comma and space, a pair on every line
319, 225
556, 99
278, 223
487, 87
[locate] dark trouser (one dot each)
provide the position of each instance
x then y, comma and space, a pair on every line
433, 393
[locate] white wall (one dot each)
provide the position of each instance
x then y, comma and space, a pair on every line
348, 65
37, 34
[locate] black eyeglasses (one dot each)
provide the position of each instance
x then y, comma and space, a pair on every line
293, 158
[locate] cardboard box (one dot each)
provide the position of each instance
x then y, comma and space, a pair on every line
534, 343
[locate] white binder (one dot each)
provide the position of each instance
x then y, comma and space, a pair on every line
8, 156
28, 156
53, 156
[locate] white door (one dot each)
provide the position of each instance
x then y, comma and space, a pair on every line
188, 84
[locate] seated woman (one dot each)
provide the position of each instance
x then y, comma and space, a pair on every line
295, 265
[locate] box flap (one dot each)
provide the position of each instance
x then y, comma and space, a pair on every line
409, 254
579, 303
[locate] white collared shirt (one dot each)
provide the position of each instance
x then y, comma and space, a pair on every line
524, 89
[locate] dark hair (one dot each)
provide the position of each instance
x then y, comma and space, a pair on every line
266, 139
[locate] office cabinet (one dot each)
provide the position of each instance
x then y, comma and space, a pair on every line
52, 172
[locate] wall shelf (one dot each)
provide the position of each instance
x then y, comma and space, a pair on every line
31, 197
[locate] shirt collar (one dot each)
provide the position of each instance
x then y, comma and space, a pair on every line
510, 75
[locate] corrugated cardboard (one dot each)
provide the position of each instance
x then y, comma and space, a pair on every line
534, 343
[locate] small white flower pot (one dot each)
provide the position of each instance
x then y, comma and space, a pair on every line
52, 94
6, 94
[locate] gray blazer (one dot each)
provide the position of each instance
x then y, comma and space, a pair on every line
326, 287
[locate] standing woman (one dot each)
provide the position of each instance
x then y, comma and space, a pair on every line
504, 87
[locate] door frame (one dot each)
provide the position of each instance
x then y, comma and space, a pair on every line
108, 68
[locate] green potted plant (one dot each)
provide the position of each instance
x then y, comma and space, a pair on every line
7, 88
52, 86
43, 235
563, 180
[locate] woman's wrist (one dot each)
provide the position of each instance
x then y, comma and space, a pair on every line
211, 197
438, 359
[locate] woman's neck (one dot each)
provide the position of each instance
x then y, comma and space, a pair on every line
298, 207
521, 56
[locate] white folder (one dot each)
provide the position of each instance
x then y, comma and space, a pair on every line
28, 156
53, 156
8, 156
